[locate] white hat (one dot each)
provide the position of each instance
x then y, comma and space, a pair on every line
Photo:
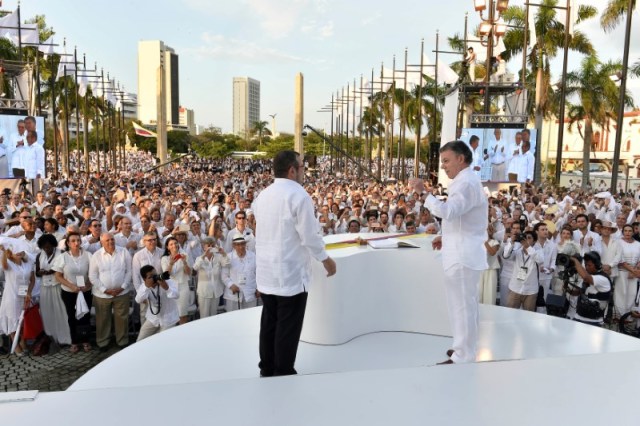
239, 239
120, 205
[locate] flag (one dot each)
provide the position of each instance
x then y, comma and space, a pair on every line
445, 73
573, 15
83, 84
65, 61
47, 47
10, 20
141, 131
531, 19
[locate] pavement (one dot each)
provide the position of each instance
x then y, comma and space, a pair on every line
53, 372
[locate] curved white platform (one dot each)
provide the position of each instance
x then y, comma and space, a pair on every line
537, 370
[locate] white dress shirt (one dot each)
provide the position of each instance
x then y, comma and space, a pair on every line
524, 279
287, 238
464, 222
110, 271
34, 161
142, 258
524, 167
497, 150
596, 244
241, 272
168, 306
210, 283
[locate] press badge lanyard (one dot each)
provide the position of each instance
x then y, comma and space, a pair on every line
524, 271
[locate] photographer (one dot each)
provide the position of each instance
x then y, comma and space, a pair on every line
523, 286
161, 294
590, 301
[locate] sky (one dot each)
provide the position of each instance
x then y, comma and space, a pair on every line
332, 42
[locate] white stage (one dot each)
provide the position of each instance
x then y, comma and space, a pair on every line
544, 370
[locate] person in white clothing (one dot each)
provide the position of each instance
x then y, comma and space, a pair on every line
488, 284
19, 160
34, 167
210, 286
464, 232
160, 293
287, 239
523, 287
17, 138
478, 160
587, 239
150, 254
549, 253
470, 60
497, 154
239, 277
513, 154
525, 164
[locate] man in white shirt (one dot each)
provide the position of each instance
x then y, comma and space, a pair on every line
497, 148
525, 164
19, 136
549, 252
514, 151
19, 160
34, 157
160, 295
150, 254
287, 239
464, 231
4, 162
587, 239
478, 160
110, 274
523, 286
240, 229
239, 277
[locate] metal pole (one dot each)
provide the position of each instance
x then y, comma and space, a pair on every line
75, 77
56, 157
332, 124
435, 107
524, 56
623, 90
103, 115
19, 34
403, 129
393, 122
66, 120
565, 58
416, 159
379, 148
487, 98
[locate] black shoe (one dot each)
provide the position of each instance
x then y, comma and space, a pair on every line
450, 352
103, 349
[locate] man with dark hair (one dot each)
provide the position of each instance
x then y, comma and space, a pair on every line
587, 239
464, 231
286, 240
596, 286
526, 164
478, 160
161, 296
30, 126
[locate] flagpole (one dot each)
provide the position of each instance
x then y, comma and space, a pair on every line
66, 127
19, 34
75, 76
55, 126
85, 121
104, 117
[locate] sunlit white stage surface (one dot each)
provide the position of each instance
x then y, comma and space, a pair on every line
534, 369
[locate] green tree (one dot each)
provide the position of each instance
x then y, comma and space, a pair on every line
260, 129
613, 13
598, 96
282, 142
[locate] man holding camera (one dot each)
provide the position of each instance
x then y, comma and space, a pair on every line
161, 295
591, 301
523, 286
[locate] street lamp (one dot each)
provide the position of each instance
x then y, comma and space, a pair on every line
492, 26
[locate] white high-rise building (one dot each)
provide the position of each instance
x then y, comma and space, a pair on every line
150, 53
187, 120
246, 105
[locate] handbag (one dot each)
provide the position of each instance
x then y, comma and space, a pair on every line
81, 306
32, 325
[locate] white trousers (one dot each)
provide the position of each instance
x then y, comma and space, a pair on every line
148, 330
208, 306
461, 286
488, 286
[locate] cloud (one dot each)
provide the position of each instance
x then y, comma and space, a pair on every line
317, 30
218, 46
371, 19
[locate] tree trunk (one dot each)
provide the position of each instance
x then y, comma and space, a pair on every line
586, 151
65, 147
85, 143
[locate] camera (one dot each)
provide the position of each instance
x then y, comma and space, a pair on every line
519, 238
566, 261
161, 277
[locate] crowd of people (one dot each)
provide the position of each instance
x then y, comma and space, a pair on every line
179, 244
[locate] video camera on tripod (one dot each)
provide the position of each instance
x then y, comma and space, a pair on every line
558, 305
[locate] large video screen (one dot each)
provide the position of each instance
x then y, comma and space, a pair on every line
500, 156
14, 161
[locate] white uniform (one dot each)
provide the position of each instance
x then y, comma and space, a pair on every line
464, 231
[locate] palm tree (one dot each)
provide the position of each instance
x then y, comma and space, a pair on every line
260, 128
550, 39
598, 96
614, 12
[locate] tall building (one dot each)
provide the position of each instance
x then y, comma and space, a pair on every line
150, 55
246, 105
187, 120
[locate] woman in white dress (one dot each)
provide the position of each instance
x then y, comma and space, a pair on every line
52, 310
72, 272
488, 285
176, 263
626, 282
18, 285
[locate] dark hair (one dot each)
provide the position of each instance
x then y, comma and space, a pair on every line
53, 222
594, 258
459, 148
145, 270
473, 138
582, 215
33, 134
283, 161
537, 226
166, 245
47, 239
69, 235
533, 235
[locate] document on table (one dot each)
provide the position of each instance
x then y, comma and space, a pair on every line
390, 243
